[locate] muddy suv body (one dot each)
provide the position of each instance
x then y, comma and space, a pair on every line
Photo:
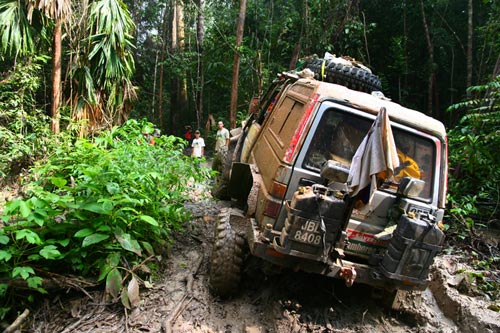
286, 173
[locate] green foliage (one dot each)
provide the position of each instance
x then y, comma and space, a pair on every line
106, 65
98, 208
15, 31
24, 129
475, 177
474, 192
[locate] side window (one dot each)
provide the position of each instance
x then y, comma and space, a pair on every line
285, 120
337, 137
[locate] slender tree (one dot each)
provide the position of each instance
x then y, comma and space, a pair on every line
200, 38
236, 64
58, 11
470, 31
430, 51
163, 41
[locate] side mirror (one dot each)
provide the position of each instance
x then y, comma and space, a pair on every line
334, 171
410, 187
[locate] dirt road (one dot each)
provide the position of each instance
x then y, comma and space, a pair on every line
269, 300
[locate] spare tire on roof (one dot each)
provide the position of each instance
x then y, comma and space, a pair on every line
343, 71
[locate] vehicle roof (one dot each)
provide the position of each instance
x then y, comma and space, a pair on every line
373, 104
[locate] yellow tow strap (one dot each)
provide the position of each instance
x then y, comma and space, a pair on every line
323, 70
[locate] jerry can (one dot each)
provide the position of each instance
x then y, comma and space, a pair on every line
315, 217
412, 249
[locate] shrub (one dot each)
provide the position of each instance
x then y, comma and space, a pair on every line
101, 209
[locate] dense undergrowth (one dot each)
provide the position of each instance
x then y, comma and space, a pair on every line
474, 186
101, 209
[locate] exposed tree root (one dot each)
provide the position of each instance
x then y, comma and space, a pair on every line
18, 322
166, 325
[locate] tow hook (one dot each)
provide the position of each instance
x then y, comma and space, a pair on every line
349, 275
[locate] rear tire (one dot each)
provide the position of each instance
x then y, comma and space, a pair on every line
220, 188
222, 163
227, 258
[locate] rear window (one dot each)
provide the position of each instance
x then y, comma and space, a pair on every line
340, 133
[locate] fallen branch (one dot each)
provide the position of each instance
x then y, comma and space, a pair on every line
19, 320
166, 325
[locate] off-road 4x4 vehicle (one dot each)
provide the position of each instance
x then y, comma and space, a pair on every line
286, 173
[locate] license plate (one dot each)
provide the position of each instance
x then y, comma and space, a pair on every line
309, 233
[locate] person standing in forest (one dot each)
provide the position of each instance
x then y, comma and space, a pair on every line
198, 145
222, 138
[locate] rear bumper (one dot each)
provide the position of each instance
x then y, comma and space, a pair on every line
264, 245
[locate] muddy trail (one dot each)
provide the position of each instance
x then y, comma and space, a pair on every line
270, 300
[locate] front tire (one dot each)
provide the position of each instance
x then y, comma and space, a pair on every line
227, 258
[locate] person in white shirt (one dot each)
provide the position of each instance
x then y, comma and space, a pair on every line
198, 145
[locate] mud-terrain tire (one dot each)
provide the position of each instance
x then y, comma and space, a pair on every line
352, 77
222, 163
221, 181
227, 259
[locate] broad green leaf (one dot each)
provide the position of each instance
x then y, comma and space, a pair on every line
113, 188
84, 232
114, 282
4, 239
104, 271
39, 216
34, 257
128, 243
29, 235
93, 239
64, 242
107, 206
149, 249
97, 207
50, 252
38, 203
149, 219
58, 181
114, 258
23, 271
104, 227
52, 197
4, 255
11, 206
34, 282
24, 209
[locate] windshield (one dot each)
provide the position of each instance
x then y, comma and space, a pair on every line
339, 134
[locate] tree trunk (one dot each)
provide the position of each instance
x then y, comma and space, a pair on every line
200, 37
306, 24
432, 75
174, 79
182, 107
56, 77
162, 60
236, 64
470, 27
295, 56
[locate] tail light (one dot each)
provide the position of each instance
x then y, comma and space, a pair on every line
278, 192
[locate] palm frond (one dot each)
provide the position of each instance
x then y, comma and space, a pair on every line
15, 31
